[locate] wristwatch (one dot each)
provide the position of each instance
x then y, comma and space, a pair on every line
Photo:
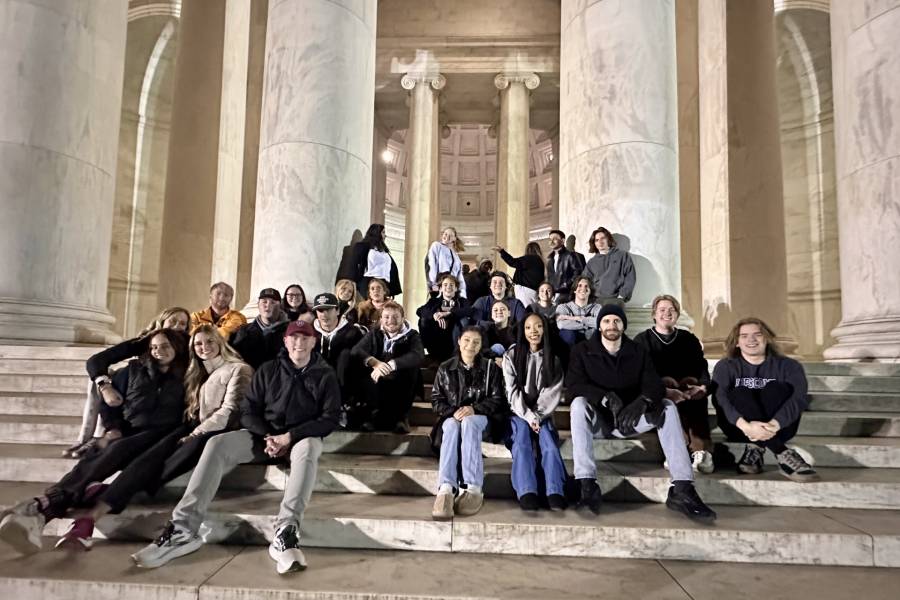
103, 380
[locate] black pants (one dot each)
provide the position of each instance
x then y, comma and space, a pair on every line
156, 466
758, 405
69, 491
694, 416
391, 399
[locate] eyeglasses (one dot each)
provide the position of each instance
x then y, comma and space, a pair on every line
293, 295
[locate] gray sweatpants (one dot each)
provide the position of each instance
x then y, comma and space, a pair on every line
226, 451
585, 427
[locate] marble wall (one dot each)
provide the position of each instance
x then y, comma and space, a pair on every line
61, 65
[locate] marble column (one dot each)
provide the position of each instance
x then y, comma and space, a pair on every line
186, 251
61, 66
315, 151
744, 269
380, 136
866, 71
513, 189
423, 210
618, 136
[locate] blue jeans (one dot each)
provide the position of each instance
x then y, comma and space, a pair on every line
524, 465
571, 337
462, 438
585, 427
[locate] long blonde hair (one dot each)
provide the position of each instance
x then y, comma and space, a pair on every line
457, 243
157, 322
356, 299
196, 374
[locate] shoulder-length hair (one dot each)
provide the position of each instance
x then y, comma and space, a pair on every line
575, 283
179, 342
157, 322
356, 299
469, 329
373, 237
731, 347
196, 372
523, 349
303, 308
534, 248
592, 248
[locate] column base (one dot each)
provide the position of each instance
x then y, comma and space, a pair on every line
871, 340
28, 321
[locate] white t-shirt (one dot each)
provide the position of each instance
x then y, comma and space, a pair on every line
378, 265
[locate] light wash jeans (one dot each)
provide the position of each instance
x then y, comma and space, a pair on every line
524, 464
585, 427
462, 439
226, 451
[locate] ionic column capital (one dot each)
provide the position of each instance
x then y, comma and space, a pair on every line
435, 80
531, 80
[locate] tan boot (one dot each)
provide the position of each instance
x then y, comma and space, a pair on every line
443, 507
469, 503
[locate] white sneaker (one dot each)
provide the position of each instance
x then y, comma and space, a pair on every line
171, 543
22, 526
702, 461
285, 550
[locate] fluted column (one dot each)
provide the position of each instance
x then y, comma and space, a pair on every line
744, 267
315, 151
618, 136
423, 210
513, 193
61, 68
866, 71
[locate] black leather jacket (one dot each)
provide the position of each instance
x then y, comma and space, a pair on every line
567, 269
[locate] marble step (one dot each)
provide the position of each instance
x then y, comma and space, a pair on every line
30, 366
49, 384
41, 403
853, 383
622, 482
44, 352
848, 401
857, 369
359, 521
854, 424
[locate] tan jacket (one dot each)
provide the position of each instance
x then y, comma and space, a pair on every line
220, 397
227, 323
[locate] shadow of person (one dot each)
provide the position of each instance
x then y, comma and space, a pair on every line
346, 269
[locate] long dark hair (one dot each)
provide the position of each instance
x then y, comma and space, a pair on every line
523, 349
373, 237
179, 342
534, 248
303, 308
592, 247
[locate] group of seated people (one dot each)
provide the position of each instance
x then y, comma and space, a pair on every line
207, 391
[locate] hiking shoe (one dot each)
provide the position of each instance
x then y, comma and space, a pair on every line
171, 543
686, 500
443, 507
795, 468
468, 503
22, 526
78, 537
702, 461
529, 502
557, 502
751, 462
285, 550
591, 496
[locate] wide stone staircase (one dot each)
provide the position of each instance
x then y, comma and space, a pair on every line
374, 490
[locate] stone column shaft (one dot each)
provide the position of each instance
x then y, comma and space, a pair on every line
866, 72
619, 139
423, 209
513, 189
61, 71
744, 268
315, 150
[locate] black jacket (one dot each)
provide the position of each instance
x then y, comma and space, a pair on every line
529, 269
99, 363
360, 262
151, 398
629, 373
567, 269
407, 352
256, 346
490, 399
281, 398
478, 284
462, 310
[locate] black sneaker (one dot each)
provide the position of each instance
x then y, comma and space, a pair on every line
686, 500
285, 550
557, 502
591, 496
751, 462
529, 502
795, 468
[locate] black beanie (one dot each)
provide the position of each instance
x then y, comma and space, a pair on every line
613, 309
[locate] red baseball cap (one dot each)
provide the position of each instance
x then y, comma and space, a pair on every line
301, 328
